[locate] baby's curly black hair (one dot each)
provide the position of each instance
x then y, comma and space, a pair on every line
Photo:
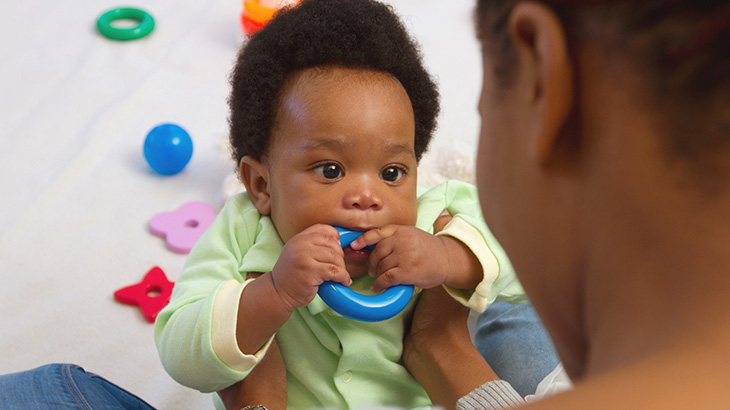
316, 33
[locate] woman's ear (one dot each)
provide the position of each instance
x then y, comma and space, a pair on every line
542, 52
255, 176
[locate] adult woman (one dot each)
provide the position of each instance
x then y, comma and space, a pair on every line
603, 170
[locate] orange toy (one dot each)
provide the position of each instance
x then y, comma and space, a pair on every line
255, 15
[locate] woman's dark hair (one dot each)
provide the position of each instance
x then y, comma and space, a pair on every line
318, 33
682, 48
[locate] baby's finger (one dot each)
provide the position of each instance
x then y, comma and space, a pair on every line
390, 277
323, 243
381, 259
337, 274
327, 250
373, 236
326, 231
383, 251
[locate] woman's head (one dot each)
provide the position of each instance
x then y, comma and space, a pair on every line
358, 34
601, 121
681, 49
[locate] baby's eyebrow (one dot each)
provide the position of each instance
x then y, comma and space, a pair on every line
323, 144
336, 143
398, 149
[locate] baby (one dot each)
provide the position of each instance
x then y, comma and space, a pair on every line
331, 110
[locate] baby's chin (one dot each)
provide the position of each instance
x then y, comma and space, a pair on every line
356, 269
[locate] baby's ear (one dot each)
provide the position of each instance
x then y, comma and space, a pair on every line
255, 176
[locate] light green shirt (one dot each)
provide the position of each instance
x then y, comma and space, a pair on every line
331, 361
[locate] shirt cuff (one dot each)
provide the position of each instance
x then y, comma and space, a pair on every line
470, 236
494, 395
225, 319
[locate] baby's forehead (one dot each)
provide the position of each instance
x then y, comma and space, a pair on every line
324, 102
312, 79
328, 90
321, 105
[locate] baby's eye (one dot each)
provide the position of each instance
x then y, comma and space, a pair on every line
328, 171
392, 174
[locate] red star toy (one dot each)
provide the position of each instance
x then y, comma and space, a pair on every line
151, 294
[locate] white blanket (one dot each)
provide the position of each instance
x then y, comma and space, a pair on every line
76, 193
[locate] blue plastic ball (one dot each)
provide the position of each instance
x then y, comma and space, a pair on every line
168, 148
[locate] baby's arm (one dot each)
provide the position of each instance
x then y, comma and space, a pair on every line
308, 259
197, 332
265, 385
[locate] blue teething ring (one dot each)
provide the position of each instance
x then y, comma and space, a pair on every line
364, 308
145, 26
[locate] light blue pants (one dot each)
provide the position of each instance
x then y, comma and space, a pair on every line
64, 386
516, 345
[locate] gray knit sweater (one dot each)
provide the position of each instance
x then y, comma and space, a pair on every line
495, 395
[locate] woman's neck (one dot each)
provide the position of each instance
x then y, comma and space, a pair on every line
659, 271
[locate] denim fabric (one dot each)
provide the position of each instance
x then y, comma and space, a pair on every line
64, 386
515, 344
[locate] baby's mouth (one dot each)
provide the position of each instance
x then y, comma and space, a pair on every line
361, 255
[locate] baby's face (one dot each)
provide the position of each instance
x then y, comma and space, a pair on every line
342, 153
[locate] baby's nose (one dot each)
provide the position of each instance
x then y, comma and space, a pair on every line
363, 197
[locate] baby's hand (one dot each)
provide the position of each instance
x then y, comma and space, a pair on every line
404, 254
309, 258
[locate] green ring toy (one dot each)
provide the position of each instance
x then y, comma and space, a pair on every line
145, 26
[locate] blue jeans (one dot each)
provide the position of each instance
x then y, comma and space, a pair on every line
64, 386
516, 345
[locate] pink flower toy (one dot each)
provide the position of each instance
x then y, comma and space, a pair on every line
182, 227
